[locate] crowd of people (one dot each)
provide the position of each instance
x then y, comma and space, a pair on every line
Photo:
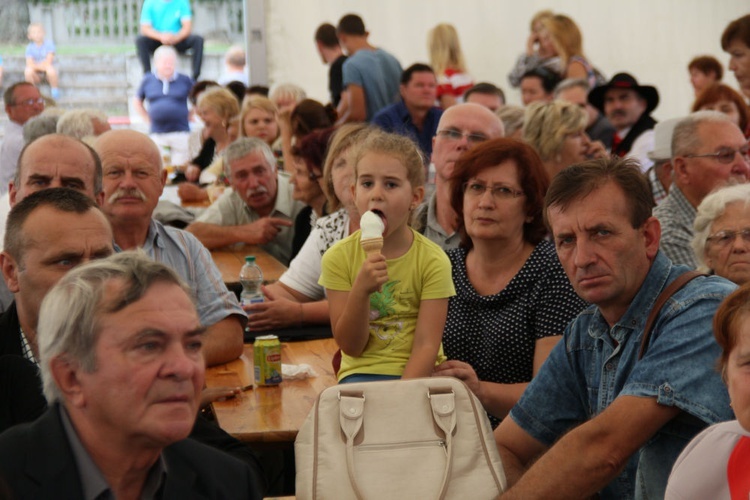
541, 254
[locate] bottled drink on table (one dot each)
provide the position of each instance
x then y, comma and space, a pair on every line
251, 279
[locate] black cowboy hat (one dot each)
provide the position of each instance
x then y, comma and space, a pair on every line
624, 81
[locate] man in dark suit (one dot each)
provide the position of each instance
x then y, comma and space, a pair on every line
122, 369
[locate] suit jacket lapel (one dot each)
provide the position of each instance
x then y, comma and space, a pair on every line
54, 468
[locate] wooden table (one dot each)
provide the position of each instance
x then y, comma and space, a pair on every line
230, 261
272, 415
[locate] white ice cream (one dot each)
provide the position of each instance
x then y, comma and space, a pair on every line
372, 225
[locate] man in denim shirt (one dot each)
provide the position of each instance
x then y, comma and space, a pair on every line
596, 418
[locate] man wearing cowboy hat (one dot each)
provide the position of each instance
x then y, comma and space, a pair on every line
627, 105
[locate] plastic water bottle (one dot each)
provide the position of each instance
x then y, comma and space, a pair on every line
251, 279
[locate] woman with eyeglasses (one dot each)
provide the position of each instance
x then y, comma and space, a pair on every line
722, 233
557, 131
307, 177
513, 299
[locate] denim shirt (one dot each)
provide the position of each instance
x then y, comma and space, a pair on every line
596, 364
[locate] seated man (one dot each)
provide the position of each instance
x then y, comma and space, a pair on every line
22, 102
51, 161
133, 182
598, 417
122, 368
705, 148
487, 94
461, 127
83, 124
49, 232
168, 22
258, 210
416, 115
628, 106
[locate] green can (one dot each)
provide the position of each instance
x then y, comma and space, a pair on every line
267, 359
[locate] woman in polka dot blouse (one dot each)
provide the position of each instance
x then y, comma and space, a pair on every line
512, 299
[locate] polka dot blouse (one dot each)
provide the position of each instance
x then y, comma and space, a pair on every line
496, 334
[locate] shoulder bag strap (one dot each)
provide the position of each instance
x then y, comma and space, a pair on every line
671, 289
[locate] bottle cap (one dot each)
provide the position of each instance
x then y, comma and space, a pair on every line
250, 259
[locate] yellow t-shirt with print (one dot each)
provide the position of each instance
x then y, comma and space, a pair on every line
422, 273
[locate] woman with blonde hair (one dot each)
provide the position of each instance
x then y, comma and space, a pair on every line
540, 52
258, 118
447, 60
216, 107
557, 131
567, 40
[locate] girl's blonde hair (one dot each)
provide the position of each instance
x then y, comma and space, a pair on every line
256, 102
396, 146
445, 49
546, 124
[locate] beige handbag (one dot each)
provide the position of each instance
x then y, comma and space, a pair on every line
425, 438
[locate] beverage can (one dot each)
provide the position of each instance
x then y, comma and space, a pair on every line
267, 360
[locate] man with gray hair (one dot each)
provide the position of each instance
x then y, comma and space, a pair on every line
122, 367
166, 92
83, 124
133, 182
708, 151
39, 126
259, 207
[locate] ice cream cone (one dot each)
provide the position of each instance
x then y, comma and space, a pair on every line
372, 245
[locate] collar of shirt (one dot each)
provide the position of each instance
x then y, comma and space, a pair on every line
284, 203
165, 81
93, 482
635, 317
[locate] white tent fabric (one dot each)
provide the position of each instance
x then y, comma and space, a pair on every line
652, 39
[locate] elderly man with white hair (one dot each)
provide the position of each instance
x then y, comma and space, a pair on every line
122, 368
259, 207
165, 92
83, 124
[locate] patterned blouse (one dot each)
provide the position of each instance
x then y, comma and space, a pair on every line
496, 334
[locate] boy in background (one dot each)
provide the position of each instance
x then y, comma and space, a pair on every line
40, 54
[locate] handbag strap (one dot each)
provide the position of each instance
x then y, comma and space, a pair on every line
351, 418
671, 289
351, 412
443, 406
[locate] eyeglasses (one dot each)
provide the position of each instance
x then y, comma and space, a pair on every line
726, 155
29, 102
455, 135
726, 238
476, 189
